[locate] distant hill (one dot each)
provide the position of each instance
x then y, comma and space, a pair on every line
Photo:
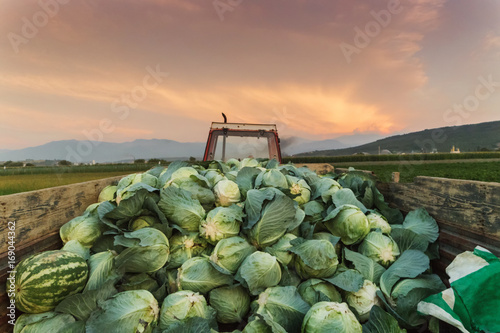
294, 145
467, 138
87, 151
101, 152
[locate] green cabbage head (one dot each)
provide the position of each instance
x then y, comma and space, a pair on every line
347, 222
232, 303
364, 299
226, 193
315, 290
259, 271
379, 247
229, 253
182, 305
128, 311
222, 222
314, 258
330, 317
86, 229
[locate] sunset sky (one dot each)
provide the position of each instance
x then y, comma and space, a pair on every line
119, 70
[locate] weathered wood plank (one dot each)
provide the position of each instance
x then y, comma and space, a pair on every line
468, 211
37, 213
38, 216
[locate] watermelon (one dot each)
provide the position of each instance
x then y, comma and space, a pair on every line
45, 279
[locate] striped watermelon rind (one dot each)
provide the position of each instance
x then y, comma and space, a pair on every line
43, 280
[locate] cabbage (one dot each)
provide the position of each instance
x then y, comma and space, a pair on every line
197, 185
232, 303
139, 281
124, 187
271, 178
324, 188
101, 269
259, 271
289, 278
330, 317
315, 290
108, 193
233, 163
181, 209
128, 311
379, 247
349, 223
184, 172
314, 258
229, 253
142, 222
281, 249
147, 250
283, 305
85, 229
76, 247
364, 299
299, 188
270, 214
214, 176
198, 274
257, 325
46, 322
249, 162
182, 305
184, 247
378, 221
226, 193
222, 222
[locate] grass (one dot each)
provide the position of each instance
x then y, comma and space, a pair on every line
28, 182
482, 171
100, 168
394, 158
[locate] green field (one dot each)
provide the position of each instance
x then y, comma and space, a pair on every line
393, 157
483, 171
15, 180
22, 183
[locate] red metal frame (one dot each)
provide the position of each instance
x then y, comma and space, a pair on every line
234, 129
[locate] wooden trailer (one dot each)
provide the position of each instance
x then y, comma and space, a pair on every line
468, 214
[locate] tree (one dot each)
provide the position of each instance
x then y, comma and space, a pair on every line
157, 161
139, 161
64, 163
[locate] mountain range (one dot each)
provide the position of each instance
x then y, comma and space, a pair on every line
467, 138
483, 136
100, 152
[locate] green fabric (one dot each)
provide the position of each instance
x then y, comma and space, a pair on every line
480, 294
476, 298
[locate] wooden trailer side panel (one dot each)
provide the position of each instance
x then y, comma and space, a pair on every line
467, 212
38, 215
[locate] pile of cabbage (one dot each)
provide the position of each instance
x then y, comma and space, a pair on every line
246, 246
